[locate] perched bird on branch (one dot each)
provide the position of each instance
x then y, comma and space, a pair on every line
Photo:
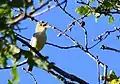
39, 38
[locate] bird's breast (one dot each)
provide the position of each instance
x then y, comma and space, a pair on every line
41, 40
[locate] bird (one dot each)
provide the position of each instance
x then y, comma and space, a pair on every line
39, 38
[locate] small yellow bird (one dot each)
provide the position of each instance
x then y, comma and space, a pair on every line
39, 38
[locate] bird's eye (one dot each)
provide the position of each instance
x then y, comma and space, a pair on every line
45, 24
40, 24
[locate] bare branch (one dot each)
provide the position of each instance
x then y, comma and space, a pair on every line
65, 4
105, 74
22, 36
94, 58
70, 38
18, 18
69, 27
85, 34
69, 76
98, 70
63, 47
103, 36
109, 48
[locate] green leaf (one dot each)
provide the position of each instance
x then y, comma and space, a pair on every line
3, 1
97, 15
4, 10
31, 62
3, 61
3, 25
41, 1
10, 82
113, 75
3, 57
41, 63
89, 14
115, 81
111, 19
82, 10
14, 72
108, 4
11, 16
13, 49
20, 3
92, 1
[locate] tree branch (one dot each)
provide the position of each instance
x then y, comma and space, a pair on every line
103, 36
62, 47
109, 48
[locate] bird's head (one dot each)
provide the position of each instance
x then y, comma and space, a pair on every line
42, 26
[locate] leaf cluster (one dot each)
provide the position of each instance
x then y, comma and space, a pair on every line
106, 8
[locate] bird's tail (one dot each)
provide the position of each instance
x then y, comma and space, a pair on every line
31, 62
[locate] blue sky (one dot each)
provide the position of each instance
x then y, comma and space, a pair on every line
73, 60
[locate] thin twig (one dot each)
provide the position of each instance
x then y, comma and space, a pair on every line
98, 70
62, 47
105, 74
69, 76
17, 65
20, 29
69, 27
103, 36
70, 38
35, 81
59, 77
109, 48
22, 36
86, 38
94, 58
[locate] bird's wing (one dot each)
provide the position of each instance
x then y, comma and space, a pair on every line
33, 42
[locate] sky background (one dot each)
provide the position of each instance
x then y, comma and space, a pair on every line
73, 61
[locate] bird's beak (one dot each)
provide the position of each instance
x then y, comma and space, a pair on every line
47, 25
